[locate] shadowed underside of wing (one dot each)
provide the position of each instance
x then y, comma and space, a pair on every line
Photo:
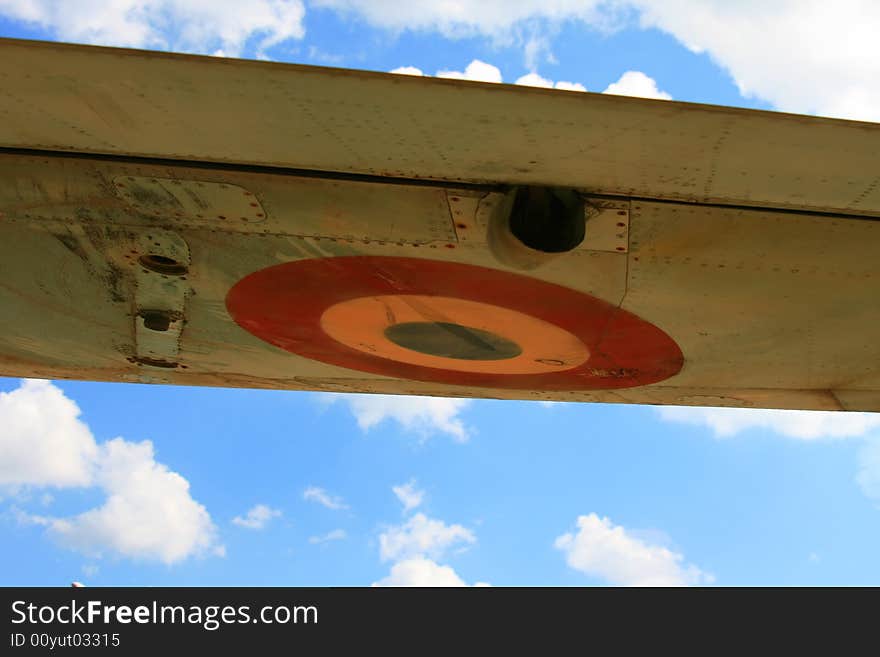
198, 221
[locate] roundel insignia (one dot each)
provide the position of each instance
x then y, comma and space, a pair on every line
450, 323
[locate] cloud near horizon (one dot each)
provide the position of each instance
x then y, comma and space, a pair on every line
148, 512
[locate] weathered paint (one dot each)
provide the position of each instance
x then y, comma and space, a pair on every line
749, 238
334, 310
182, 107
160, 292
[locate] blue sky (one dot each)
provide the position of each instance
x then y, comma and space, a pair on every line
154, 485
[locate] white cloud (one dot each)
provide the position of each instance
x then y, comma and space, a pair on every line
500, 20
322, 497
409, 495
636, 83
148, 512
335, 535
90, 570
203, 26
419, 571
535, 80
421, 535
800, 425
481, 71
257, 517
537, 48
476, 70
809, 56
805, 425
769, 48
408, 70
43, 442
800, 55
325, 58
424, 416
868, 475
414, 546
569, 86
601, 549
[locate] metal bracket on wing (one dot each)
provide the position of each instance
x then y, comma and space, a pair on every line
161, 289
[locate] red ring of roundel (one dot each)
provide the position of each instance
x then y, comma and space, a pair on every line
283, 305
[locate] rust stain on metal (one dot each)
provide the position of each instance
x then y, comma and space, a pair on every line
155, 362
118, 253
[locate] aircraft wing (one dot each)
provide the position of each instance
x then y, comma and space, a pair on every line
189, 220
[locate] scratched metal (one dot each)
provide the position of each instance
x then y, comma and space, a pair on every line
103, 100
771, 308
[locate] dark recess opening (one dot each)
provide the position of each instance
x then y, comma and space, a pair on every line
548, 219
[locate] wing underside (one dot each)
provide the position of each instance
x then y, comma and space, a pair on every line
197, 221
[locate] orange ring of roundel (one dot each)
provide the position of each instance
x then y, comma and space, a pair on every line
544, 347
284, 304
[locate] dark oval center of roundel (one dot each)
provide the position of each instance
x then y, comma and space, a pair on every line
452, 341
